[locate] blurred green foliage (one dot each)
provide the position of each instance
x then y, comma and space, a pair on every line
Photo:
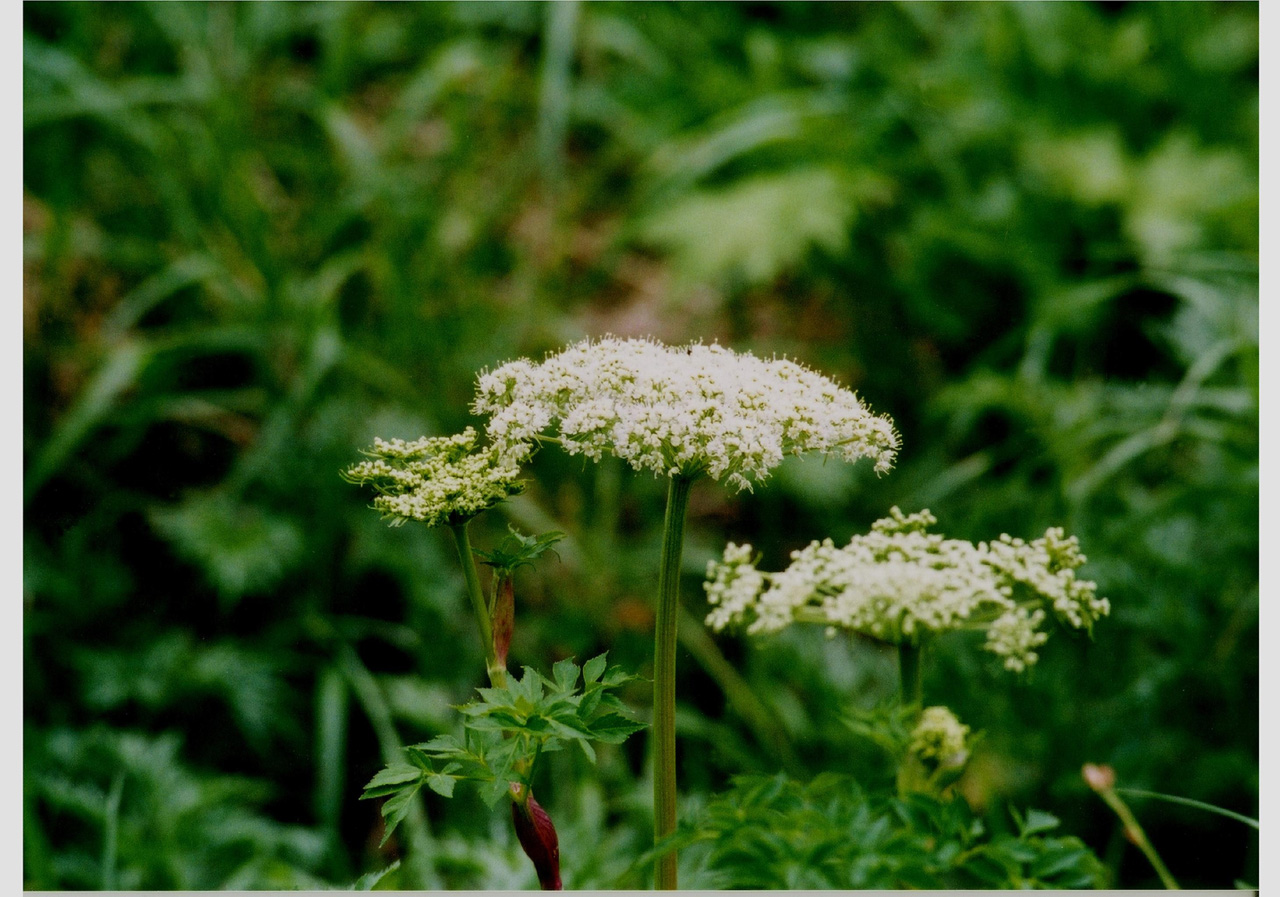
772, 834
258, 235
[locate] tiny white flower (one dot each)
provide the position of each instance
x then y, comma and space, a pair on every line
679, 410
899, 582
435, 479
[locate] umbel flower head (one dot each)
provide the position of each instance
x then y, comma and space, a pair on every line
899, 582
939, 738
679, 410
435, 479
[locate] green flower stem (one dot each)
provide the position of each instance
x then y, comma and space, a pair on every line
911, 774
664, 677
1135, 833
497, 674
909, 671
496, 670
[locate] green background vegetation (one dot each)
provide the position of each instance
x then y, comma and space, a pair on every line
258, 235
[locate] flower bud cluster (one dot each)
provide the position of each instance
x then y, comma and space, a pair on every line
679, 410
939, 738
899, 581
436, 479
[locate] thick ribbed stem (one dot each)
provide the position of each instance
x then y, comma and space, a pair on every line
909, 671
497, 672
664, 677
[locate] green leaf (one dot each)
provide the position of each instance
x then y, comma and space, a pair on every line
369, 880
614, 729
1038, 821
391, 779
419, 759
594, 668
566, 674
494, 695
492, 723
570, 729
613, 703
396, 808
589, 702
527, 687
473, 709
442, 745
518, 551
1057, 860
441, 784
536, 724
617, 676
493, 791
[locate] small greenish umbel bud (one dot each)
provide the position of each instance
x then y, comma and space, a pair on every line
439, 480
939, 738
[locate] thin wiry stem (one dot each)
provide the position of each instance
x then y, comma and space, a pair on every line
1139, 837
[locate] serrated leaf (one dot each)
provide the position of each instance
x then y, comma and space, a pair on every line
570, 729
530, 686
396, 808
419, 759
518, 550
499, 696
614, 729
491, 723
613, 703
565, 707
441, 745
590, 701
369, 880
391, 779
617, 676
594, 668
491, 792
441, 784
566, 674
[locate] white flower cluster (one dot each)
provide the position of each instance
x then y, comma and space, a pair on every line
899, 582
435, 479
679, 410
939, 738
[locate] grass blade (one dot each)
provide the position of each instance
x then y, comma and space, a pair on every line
1190, 802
